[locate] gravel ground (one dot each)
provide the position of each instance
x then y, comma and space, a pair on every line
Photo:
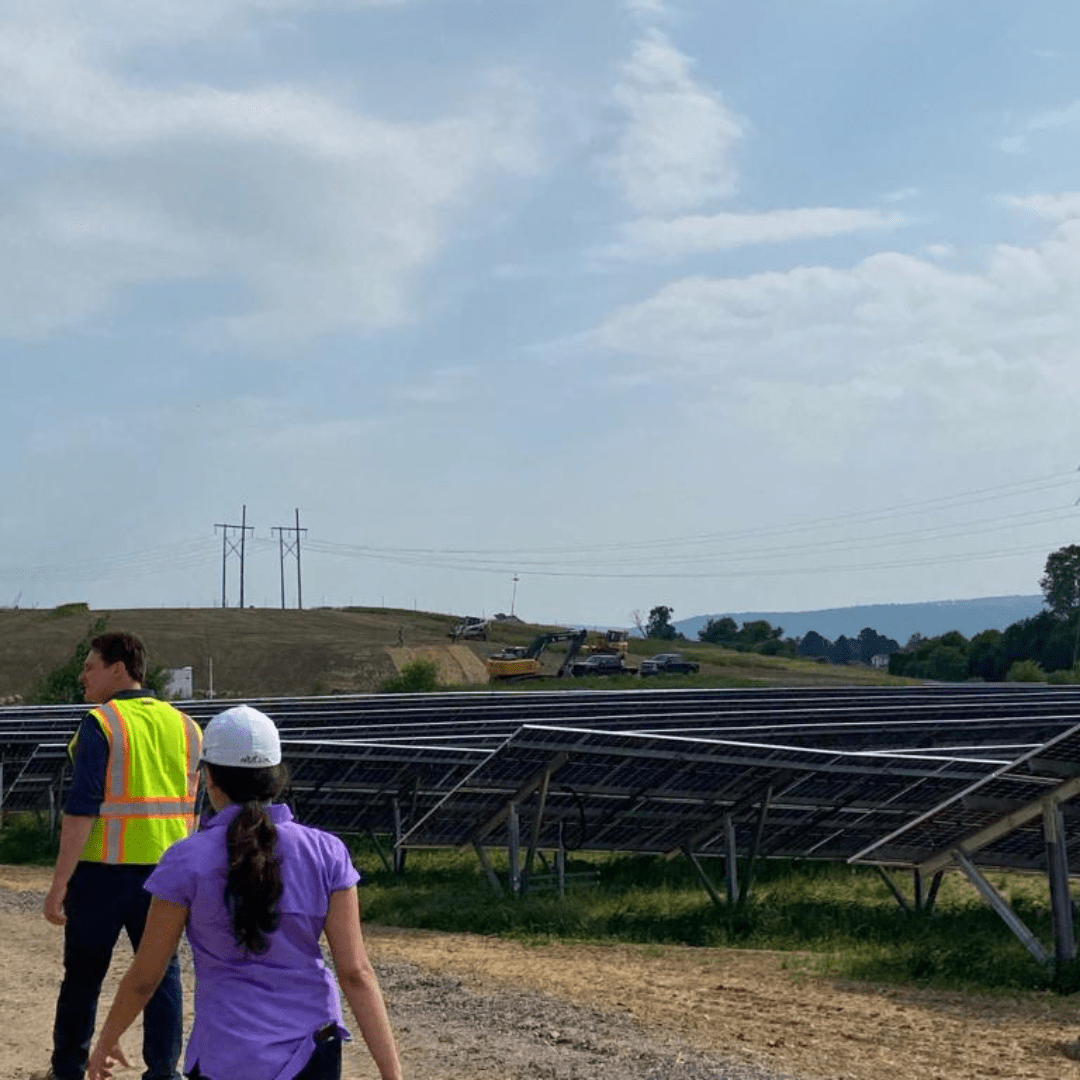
523, 1034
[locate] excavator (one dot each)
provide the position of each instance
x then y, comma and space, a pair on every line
606, 641
523, 661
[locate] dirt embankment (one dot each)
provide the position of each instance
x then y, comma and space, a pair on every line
246, 652
478, 1008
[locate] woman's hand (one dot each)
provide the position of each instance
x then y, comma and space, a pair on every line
103, 1061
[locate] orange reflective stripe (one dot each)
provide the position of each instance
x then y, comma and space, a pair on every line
116, 730
149, 808
193, 746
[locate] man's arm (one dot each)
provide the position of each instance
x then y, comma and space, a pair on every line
80, 809
74, 832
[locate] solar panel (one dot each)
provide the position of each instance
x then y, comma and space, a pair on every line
655, 793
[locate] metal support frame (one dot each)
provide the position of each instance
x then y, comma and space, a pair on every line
759, 832
901, 899
731, 860
1001, 906
541, 776
513, 826
716, 898
1057, 869
399, 851
388, 866
489, 870
534, 838
922, 899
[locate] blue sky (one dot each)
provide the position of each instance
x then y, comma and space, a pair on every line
725, 306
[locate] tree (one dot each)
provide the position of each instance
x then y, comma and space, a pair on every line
1060, 582
813, 644
61, 686
717, 631
659, 624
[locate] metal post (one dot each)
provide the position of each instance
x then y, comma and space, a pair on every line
514, 848
731, 861
1057, 869
534, 839
759, 832
399, 851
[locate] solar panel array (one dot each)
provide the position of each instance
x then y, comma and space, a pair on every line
818, 773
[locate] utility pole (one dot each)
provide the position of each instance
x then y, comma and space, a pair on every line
290, 547
233, 547
513, 598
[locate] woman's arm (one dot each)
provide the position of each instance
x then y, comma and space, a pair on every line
161, 935
358, 980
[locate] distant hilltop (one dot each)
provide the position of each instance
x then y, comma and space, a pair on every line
897, 621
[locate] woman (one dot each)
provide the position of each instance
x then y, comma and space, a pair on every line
255, 890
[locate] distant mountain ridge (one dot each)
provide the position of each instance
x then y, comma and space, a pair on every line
897, 621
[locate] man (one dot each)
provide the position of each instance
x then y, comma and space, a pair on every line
135, 764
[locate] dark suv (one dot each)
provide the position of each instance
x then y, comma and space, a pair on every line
671, 663
601, 664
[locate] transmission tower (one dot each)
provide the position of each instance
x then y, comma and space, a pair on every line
290, 547
230, 546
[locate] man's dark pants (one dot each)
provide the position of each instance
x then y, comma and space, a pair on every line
101, 901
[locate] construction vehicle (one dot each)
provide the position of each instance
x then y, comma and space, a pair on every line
523, 661
470, 628
607, 641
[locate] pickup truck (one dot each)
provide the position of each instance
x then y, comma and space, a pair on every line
601, 664
671, 663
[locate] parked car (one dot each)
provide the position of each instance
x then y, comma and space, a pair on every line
601, 664
671, 663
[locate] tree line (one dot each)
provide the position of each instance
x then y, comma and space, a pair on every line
1043, 647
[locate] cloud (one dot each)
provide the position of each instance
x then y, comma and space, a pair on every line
675, 238
310, 213
674, 151
983, 356
1061, 207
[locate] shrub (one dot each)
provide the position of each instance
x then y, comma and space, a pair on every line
417, 677
1025, 671
25, 838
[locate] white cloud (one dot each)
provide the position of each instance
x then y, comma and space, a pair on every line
1061, 207
315, 215
674, 151
675, 238
973, 358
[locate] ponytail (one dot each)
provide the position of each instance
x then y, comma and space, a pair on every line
253, 888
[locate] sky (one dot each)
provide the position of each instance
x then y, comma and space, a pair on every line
569, 308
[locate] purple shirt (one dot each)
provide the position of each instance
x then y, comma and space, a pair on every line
255, 1014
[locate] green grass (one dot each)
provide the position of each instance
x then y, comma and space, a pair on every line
834, 919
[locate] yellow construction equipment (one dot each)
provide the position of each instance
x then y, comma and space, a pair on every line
523, 661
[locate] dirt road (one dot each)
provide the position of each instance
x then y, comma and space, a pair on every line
477, 1008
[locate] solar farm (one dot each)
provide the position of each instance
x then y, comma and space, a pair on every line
913, 781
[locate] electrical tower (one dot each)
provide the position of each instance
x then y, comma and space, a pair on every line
233, 547
290, 547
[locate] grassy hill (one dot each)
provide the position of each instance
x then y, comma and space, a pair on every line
267, 652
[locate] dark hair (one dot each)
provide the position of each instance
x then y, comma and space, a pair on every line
120, 646
254, 887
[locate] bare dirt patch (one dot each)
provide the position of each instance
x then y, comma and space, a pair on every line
479, 1008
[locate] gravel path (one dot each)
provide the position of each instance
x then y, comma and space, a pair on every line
523, 1034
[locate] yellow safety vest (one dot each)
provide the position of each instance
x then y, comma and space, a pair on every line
151, 780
